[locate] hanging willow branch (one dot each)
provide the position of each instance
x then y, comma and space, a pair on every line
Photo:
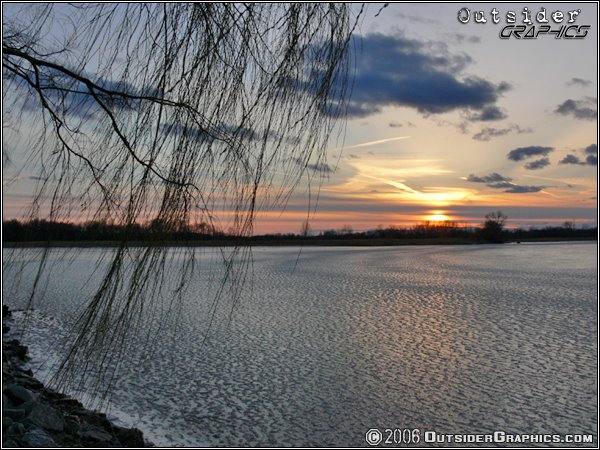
171, 114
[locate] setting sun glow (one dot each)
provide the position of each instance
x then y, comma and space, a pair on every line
437, 218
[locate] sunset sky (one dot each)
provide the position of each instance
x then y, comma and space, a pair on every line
436, 110
449, 121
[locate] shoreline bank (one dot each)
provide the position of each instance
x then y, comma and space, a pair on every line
258, 242
36, 416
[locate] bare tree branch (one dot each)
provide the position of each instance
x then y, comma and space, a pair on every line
174, 113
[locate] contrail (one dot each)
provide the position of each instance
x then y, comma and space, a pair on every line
380, 141
397, 185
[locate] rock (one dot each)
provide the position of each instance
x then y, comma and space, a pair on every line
29, 382
38, 438
6, 403
55, 395
9, 443
130, 437
68, 403
20, 351
18, 394
72, 425
6, 422
94, 435
16, 429
34, 416
95, 418
46, 417
14, 413
6, 311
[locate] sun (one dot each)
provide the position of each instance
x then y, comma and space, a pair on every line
437, 217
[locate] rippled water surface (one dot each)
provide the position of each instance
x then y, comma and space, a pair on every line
331, 342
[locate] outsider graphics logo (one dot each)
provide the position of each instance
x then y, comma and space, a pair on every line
561, 25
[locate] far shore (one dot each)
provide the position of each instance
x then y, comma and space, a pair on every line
283, 242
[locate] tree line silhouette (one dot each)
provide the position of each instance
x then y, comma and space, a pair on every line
492, 231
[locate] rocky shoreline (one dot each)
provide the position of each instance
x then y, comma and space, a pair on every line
36, 416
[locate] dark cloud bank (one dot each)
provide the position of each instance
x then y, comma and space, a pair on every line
497, 181
537, 164
584, 109
397, 71
575, 81
590, 157
521, 153
489, 132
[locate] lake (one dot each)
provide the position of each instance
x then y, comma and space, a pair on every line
324, 344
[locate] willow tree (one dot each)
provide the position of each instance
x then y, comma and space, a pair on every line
170, 113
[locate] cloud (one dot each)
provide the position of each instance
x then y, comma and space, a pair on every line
356, 110
398, 71
487, 114
521, 153
578, 82
491, 178
497, 181
221, 131
178, 129
488, 133
524, 189
502, 185
571, 159
591, 158
580, 109
537, 164
416, 19
321, 167
72, 96
460, 38
592, 154
395, 124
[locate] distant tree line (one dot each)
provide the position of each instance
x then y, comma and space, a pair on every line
45, 230
567, 230
492, 231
